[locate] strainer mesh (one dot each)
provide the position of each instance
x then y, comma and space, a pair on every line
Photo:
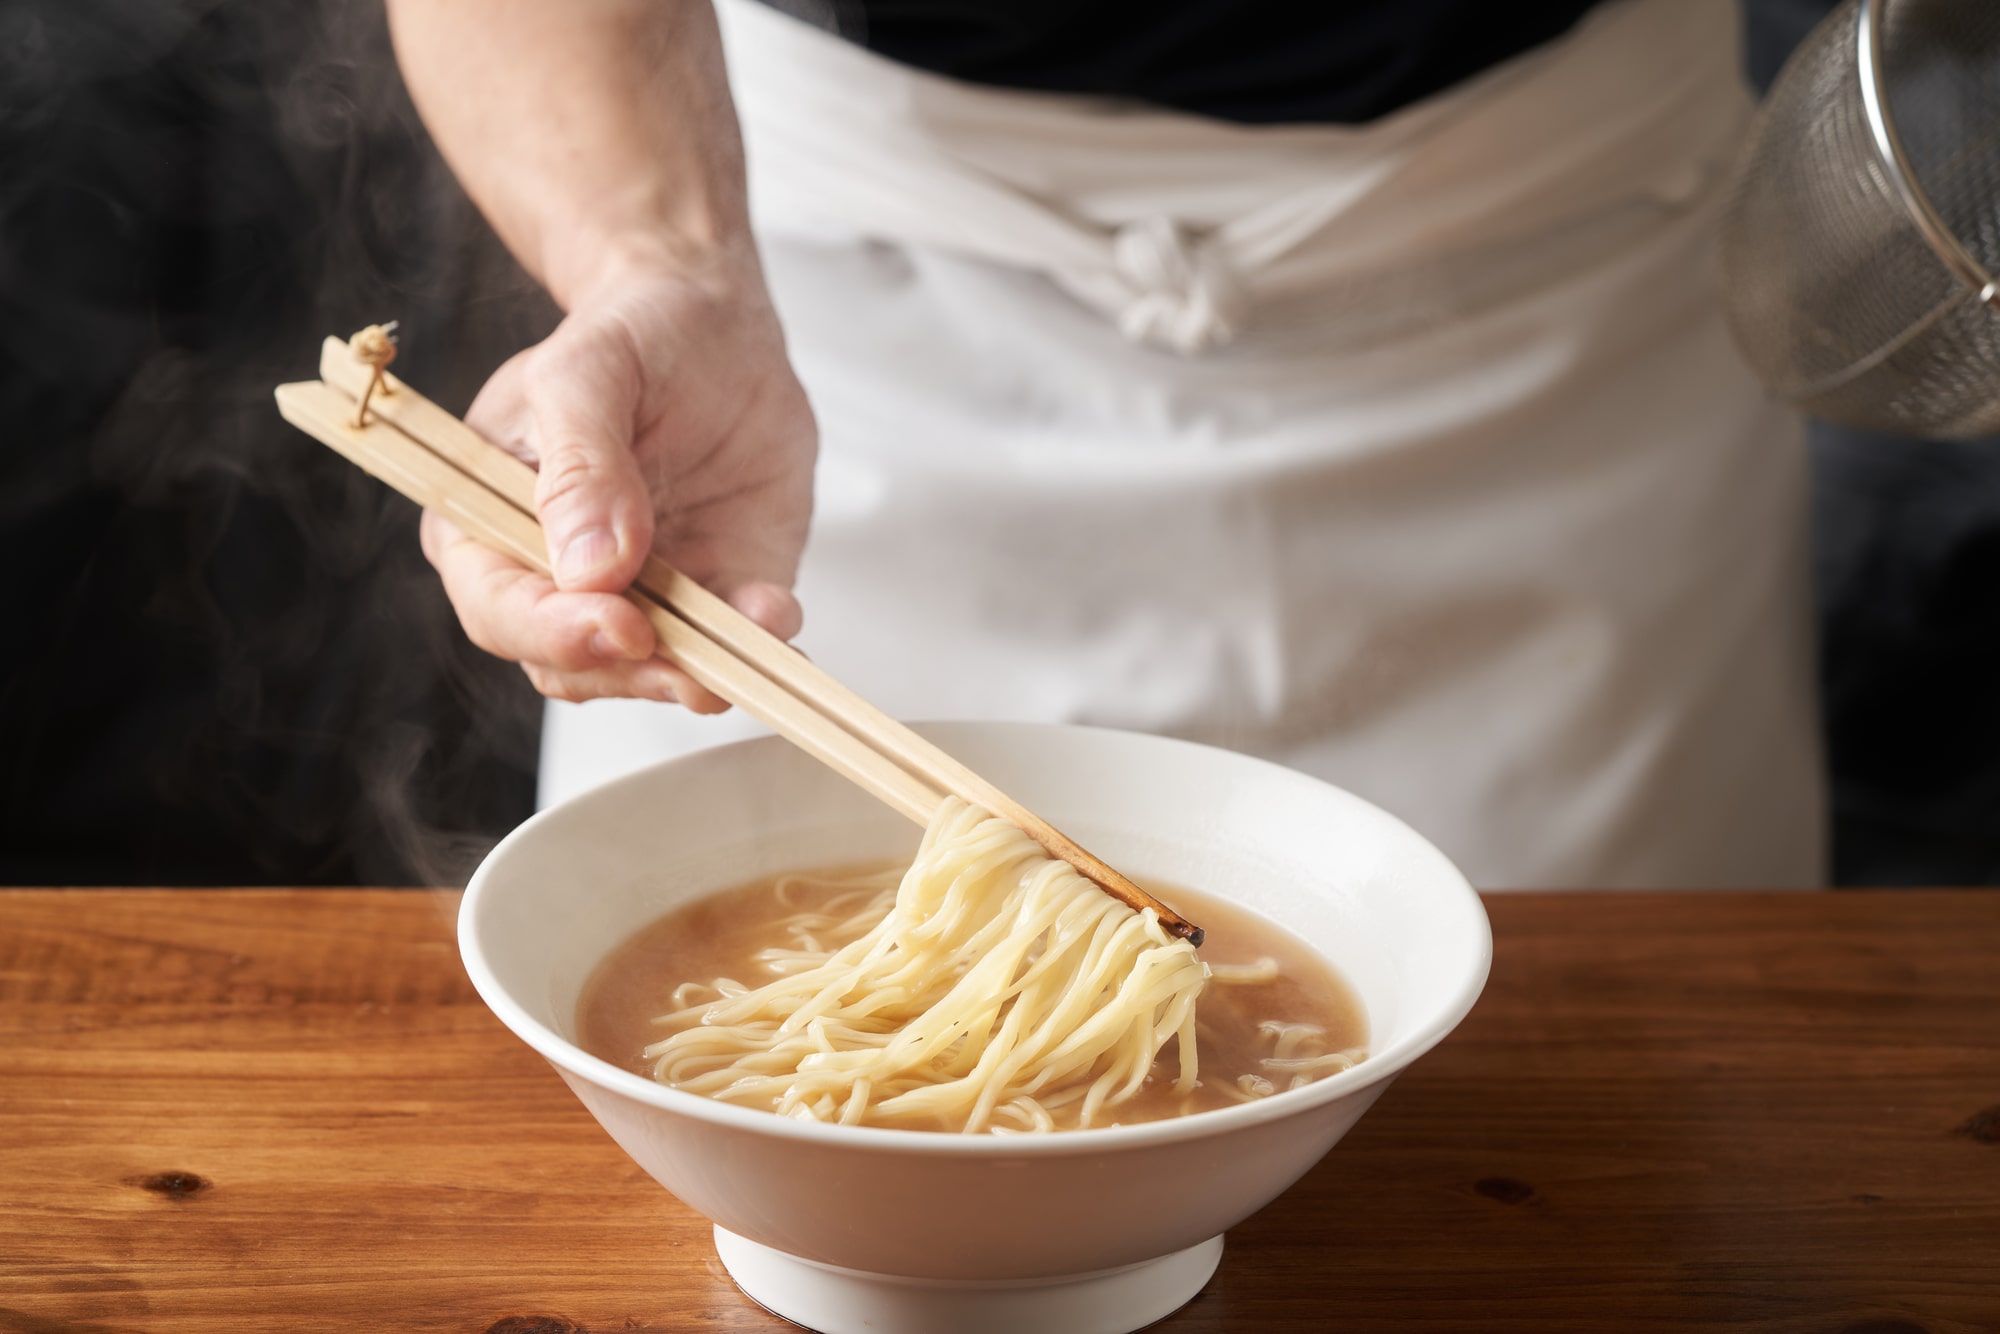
1837, 298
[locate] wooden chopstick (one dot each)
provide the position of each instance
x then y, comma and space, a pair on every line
388, 454
715, 624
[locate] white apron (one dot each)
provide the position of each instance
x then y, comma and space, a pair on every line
1413, 455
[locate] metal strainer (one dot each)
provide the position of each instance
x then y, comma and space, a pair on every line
1863, 231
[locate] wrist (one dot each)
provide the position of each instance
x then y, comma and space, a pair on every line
692, 244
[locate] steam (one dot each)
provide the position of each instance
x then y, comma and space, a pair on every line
196, 194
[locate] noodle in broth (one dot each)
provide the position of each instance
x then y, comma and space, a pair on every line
987, 988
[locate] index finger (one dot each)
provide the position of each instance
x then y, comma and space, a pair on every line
516, 613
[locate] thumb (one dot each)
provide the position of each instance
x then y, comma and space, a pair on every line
596, 513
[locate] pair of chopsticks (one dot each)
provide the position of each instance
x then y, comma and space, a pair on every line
441, 463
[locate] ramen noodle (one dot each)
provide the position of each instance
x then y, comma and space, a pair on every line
988, 987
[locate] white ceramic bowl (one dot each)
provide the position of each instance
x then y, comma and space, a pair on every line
905, 1232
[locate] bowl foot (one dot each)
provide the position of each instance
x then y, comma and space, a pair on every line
848, 1301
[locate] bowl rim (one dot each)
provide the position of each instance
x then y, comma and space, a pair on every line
571, 1059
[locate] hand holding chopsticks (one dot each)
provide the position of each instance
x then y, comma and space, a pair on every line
441, 463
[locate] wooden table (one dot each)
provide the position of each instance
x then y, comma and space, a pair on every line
277, 1110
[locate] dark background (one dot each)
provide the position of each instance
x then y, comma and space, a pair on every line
227, 661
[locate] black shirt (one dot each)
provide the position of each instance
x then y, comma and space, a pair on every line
1261, 61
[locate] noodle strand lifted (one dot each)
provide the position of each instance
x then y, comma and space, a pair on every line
995, 985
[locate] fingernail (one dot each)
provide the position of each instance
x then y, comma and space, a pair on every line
585, 554
604, 646
659, 685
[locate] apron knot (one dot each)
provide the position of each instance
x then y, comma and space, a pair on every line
1182, 295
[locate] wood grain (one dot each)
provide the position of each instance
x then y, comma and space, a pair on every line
277, 1110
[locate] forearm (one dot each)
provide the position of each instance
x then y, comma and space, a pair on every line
595, 134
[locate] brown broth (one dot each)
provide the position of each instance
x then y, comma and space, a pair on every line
719, 935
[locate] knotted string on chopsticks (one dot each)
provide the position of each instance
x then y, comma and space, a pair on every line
374, 347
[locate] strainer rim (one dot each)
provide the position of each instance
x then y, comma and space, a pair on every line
1937, 234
